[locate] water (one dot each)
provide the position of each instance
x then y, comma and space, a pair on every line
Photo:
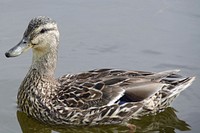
150, 35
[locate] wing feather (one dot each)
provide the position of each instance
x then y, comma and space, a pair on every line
101, 87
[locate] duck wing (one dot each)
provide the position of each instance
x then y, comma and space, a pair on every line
109, 86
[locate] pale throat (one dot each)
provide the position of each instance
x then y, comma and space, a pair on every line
44, 61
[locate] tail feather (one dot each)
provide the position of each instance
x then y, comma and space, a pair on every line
174, 90
181, 85
163, 98
164, 74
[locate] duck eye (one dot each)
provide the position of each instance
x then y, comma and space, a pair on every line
43, 30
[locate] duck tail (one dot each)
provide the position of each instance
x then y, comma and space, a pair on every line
169, 74
180, 85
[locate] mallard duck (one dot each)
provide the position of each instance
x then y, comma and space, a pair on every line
100, 96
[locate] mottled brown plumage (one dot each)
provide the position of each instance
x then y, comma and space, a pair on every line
103, 96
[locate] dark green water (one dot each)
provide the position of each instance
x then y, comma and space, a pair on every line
153, 35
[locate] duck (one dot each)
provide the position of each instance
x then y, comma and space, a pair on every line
95, 97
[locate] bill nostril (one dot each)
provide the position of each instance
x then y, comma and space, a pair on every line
24, 41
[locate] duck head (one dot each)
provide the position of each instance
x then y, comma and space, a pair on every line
41, 35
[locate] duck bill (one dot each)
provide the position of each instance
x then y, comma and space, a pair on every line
17, 50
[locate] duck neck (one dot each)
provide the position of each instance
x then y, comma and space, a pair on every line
39, 81
44, 62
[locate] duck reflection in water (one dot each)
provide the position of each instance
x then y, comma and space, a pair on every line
165, 122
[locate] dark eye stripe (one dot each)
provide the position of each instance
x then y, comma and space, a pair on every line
42, 31
45, 30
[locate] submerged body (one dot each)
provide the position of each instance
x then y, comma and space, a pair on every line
103, 96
